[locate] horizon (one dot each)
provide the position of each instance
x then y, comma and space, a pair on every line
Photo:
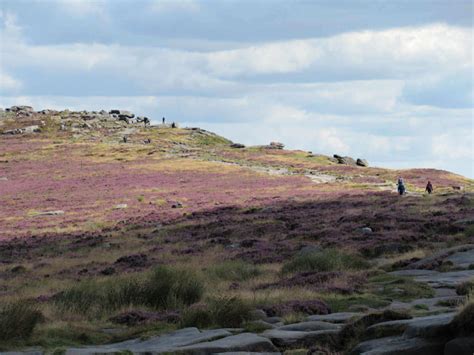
388, 82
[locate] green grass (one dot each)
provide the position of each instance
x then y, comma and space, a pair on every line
399, 288
18, 320
234, 271
326, 260
230, 312
163, 288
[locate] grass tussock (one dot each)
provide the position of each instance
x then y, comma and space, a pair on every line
237, 270
18, 320
219, 312
326, 260
163, 288
463, 322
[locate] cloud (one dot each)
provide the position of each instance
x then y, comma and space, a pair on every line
163, 6
8, 83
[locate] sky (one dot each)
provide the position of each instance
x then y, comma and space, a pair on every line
388, 81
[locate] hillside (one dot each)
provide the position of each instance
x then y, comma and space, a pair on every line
92, 201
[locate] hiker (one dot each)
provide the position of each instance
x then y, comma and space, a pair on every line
429, 187
401, 186
163, 119
146, 121
173, 125
125, 139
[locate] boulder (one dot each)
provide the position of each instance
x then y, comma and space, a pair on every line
398, 345
246, 342
310, 326
49, 213
429, 327
276, 145
344, 160
460, 346
341, 317
426, 327
161, 344
237, 145
362, 162
285, 338
22, 109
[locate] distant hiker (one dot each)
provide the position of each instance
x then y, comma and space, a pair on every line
146, 121
173, 125
163, 119
401, 186
429, 187
147, 141
125, 139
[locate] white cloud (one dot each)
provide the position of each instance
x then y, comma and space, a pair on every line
9, 83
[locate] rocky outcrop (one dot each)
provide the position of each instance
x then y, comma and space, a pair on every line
362, 162
276, 145
344, 160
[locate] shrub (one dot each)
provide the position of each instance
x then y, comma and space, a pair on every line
465, 288
18, 320
230, 311
235, 271
221, 312
197, 315
326, 260
463, 322
167, 288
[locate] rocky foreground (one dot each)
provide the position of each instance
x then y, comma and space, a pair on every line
320, 253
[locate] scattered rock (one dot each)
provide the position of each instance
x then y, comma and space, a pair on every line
120, 206
164, 343
237, 145
177, 205
437, 279
50, 213
366, 230
310, 326
276, 145
31, 129
3, 178
246, 342
400, 345
108, 271
285, 338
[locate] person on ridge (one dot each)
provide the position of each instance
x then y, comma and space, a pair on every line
163, 119
146, 121
401, 186
429, 187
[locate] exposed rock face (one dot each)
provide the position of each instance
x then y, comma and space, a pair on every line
400, 345
237, 145
344, 160
362, 162
276, 145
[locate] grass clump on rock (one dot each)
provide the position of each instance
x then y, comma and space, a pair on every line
326, 260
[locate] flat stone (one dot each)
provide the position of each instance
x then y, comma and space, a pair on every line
50, 213
120, 206
164, 343
414, 272
3, 178
460, 346
247, 342
441, 255
310, 326
299, 338
341, 317
400, 345
462, 259
429, 326
447, 279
